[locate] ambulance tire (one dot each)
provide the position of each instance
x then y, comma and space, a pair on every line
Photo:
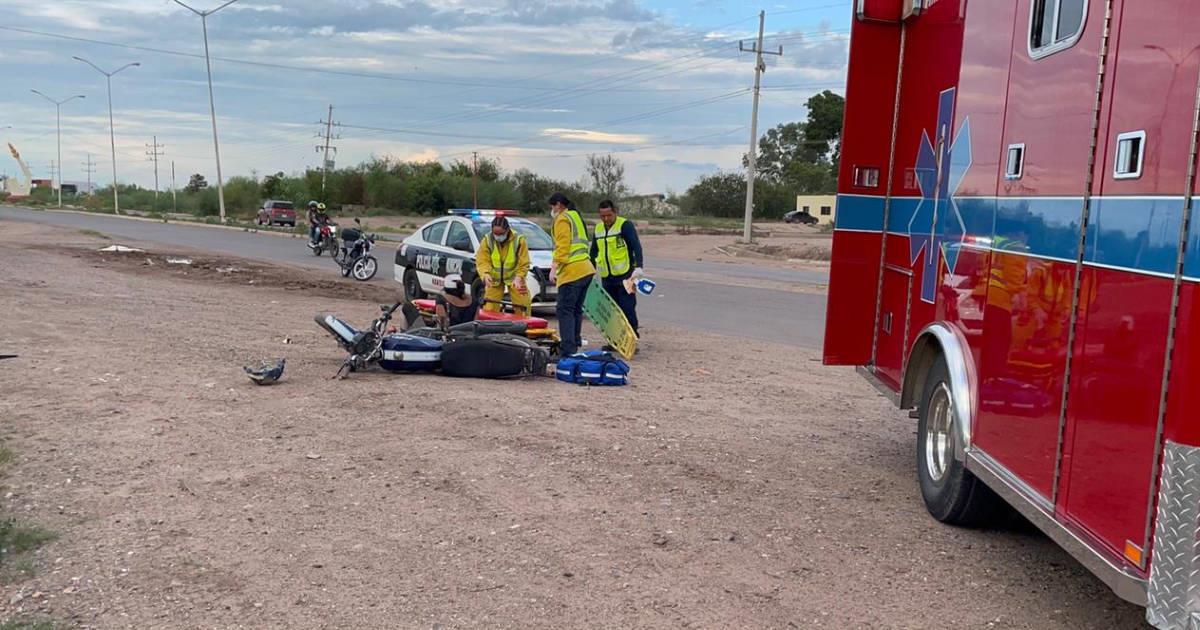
952, 494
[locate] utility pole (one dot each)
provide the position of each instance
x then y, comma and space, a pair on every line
174, 199
326, 147
752, 157
152, 152
212, 107
54, 179
474, 179
89, 167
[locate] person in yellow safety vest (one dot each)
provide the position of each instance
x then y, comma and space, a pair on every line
503, 263
571, 270
617, 252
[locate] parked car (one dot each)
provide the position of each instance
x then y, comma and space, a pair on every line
800, 216
277, 213
448, 244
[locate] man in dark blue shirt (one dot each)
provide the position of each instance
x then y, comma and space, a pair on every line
617, 254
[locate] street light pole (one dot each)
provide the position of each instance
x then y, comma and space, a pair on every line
212, 108
58, 126
112, 135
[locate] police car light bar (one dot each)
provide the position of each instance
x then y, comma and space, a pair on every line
468, 212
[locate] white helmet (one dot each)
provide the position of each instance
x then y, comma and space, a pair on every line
453, 284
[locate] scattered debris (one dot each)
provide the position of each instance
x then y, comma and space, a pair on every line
267, 373
122, 249
179, 261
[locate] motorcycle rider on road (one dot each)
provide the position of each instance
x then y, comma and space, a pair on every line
317, 216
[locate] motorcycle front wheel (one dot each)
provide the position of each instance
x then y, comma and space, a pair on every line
365, 268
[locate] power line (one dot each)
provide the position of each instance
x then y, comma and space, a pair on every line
89, 167
153, 151
326, 147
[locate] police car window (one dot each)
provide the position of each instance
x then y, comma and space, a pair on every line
433, 233
459, 238
534, 235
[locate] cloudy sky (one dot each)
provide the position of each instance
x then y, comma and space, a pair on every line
533, 83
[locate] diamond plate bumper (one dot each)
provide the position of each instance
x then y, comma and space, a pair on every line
1173, 597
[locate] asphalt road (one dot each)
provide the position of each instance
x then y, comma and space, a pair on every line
785, 317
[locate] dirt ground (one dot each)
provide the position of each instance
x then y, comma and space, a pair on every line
734, 484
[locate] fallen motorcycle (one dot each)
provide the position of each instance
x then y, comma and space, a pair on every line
393, 351
354, 256
496, 349
536, 329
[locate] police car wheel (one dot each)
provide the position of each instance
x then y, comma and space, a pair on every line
412, 286
477, 290
952, 494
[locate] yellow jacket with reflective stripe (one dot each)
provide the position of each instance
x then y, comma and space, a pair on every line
503, 261
572, 259
612, 253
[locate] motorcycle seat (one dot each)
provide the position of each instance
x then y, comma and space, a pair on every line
478, 328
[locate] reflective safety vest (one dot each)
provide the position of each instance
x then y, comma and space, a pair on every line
502, 270
581, 247
612, 253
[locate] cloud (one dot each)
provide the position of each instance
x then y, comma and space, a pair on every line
547, 70
509, 108
585, 135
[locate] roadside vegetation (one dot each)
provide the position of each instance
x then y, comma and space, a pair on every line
17, 540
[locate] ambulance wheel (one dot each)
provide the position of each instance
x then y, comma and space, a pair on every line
412, 286
952, 494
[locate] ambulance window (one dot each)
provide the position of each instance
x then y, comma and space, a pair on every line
1055, 25
866, 176
1014, 166
433, 233
1131, 149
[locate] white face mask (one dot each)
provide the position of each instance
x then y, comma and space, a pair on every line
501, 238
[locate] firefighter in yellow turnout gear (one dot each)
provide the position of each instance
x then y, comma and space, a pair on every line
503, 263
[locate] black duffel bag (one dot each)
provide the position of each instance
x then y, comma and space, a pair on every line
493, 356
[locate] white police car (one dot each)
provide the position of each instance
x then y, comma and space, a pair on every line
448, 244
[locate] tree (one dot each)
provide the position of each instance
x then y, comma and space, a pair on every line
826, 113
804, 156
488, 170
780, 147
196, 184
272, 185
720, 195
607, 176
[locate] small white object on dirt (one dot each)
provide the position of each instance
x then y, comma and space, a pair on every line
313, 456
179, 261
120, 248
